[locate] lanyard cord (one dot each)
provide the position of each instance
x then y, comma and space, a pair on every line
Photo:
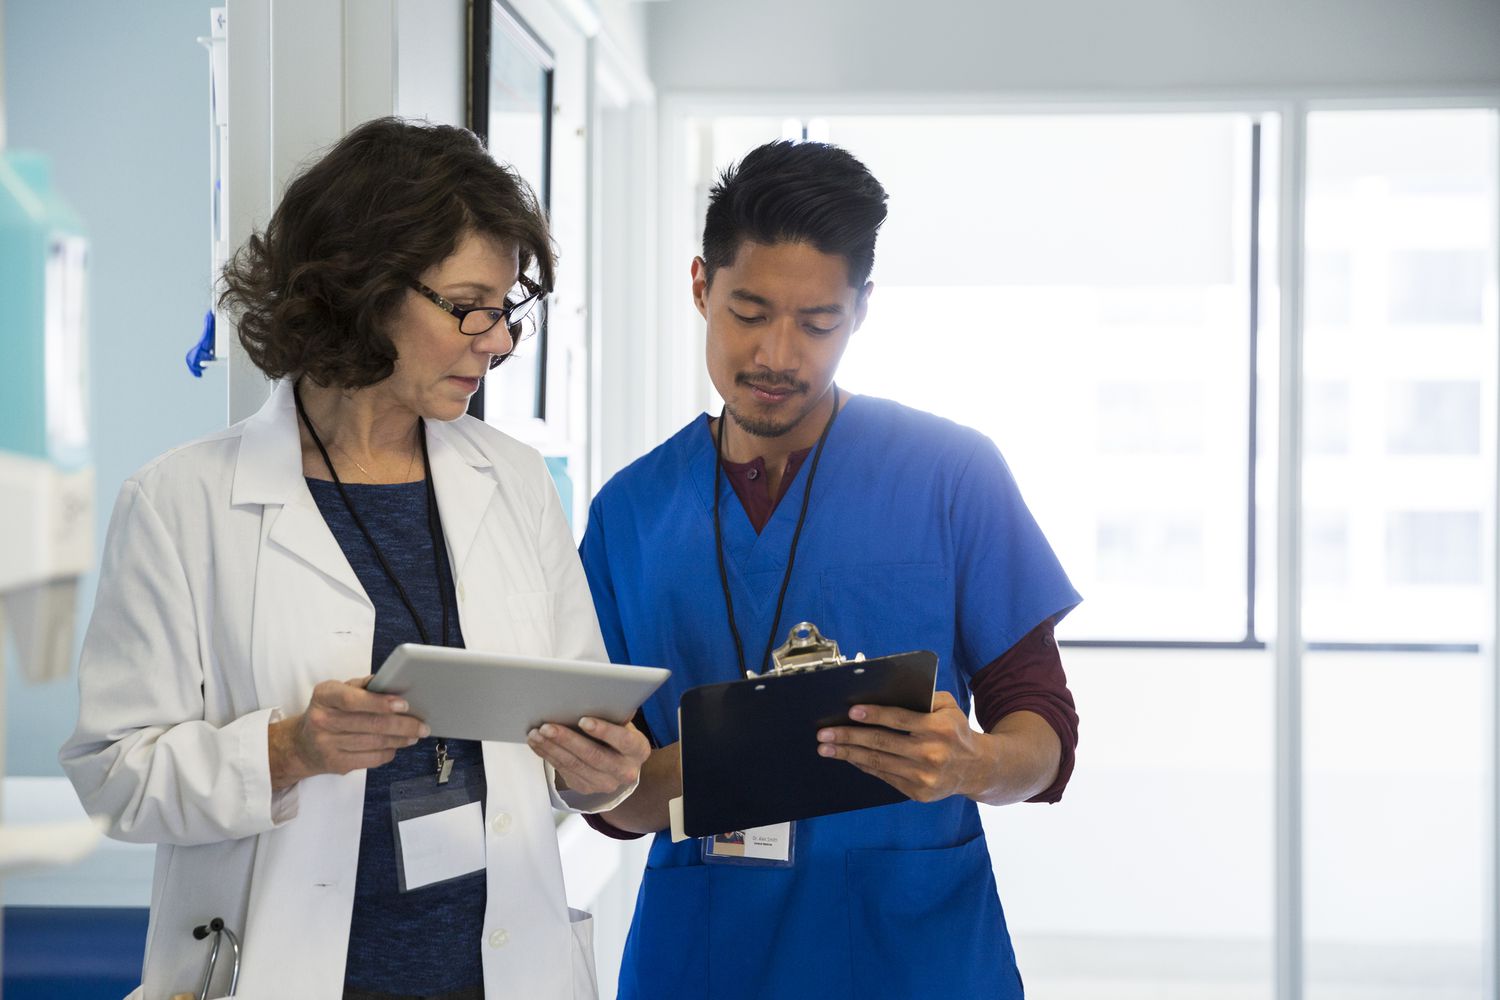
812, 472
435, 530
434, 523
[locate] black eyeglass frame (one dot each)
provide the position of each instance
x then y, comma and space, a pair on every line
511, 313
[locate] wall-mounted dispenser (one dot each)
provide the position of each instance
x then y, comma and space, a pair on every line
46, 479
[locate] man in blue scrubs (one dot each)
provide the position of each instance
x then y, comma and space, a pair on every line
891, 530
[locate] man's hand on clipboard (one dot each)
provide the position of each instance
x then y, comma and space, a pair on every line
938, 754
603, 758
935, 754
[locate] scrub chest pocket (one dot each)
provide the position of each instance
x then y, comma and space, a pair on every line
881, 610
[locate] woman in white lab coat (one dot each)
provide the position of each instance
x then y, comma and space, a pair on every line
252, 579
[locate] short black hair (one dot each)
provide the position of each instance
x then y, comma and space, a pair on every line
313, 294
796, 192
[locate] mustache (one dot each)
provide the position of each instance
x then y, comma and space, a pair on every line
770, 380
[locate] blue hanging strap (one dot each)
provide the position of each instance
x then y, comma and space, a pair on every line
202, 352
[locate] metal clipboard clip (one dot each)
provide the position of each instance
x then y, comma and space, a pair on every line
807, 649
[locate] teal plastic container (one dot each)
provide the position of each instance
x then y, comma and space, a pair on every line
43, 319
557, 465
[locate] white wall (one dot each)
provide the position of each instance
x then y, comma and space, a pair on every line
304, 72
623, 22
1090, 46
2, 74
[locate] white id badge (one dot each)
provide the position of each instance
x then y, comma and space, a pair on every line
439, 829
771, 846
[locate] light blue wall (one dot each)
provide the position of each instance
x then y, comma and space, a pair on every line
116, 93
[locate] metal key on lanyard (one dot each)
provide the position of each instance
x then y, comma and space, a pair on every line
444, 765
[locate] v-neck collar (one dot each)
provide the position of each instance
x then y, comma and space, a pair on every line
752, 484
747, 552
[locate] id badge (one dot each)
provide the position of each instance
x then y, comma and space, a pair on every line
771, 846
439, 828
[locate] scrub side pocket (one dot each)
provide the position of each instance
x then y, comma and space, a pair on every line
665, 944
928, 923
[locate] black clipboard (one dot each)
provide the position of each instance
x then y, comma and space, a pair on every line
750, 747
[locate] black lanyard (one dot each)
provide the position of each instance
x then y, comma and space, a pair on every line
434, 525
739, 646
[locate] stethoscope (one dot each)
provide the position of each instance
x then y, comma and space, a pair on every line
219, 931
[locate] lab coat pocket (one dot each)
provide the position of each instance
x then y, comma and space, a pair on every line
585, 978
928, 923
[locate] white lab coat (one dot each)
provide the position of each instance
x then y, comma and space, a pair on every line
223, 599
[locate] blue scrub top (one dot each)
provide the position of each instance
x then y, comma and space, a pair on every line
916, 538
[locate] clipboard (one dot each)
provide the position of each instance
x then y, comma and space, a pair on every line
750, 747
472, 695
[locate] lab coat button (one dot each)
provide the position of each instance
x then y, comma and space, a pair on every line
499, 939
500, 824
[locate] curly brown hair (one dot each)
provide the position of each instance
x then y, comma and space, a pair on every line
313, 294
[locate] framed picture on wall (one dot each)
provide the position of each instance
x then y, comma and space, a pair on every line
510, 108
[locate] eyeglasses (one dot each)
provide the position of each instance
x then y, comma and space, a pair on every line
482, 319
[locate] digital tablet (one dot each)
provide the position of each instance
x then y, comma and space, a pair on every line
464, 694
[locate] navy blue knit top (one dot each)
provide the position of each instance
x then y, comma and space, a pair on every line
427, 940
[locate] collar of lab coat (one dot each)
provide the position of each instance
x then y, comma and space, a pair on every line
268, 472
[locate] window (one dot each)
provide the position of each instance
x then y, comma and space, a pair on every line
1407, 200
1326, 403
1096, 324
1432, 547
1151, 548
1431, 287
1325, 541
1163, 418
1329, 300
1433, 418
1396, 449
